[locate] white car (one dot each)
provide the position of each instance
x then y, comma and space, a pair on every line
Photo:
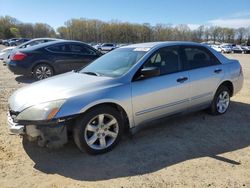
216, 48
4, 54
106, 47
226, 48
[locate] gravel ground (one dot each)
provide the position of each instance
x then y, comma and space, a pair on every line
196, 150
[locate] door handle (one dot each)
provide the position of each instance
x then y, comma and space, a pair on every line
217, 71
182, 79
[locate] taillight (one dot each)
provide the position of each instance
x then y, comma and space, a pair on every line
241, 72
18, 56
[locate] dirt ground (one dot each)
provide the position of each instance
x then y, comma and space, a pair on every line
196, 150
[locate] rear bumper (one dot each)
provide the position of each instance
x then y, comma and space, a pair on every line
13, 67
14, 128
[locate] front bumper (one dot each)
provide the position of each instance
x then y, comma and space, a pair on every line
14, 128
49, 136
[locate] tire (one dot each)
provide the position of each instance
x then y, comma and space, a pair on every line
94, 137
42, 71
221, 101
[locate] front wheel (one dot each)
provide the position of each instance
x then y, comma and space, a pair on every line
42, 71
221, 101
98, 130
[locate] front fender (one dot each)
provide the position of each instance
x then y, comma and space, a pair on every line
120, 95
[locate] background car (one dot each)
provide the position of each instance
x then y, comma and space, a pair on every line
36, 41
106, 47
29, 43
97, 46
45, 60
226, 48
246, 49
4, 54
237, 49
7, 42
216, 48
18, 42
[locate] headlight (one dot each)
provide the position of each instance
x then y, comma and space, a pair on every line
43, 111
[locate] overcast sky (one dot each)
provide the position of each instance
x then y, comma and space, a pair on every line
226, 13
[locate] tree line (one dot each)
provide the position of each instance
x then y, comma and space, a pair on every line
93, 30
12, 28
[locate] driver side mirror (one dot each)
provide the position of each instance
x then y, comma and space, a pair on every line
150, 72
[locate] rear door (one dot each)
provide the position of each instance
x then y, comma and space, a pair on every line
161, 95
205, 73
60, 57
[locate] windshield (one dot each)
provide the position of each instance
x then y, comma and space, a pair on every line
115, 63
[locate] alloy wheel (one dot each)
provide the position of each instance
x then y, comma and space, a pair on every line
223, 102
43, 72
101, 131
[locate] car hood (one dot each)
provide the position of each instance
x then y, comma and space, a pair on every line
58, 87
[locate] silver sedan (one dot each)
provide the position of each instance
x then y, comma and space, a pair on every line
123, 89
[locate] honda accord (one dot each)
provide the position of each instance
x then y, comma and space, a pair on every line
123, 89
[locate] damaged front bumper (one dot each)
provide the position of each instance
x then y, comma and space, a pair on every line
49, 135
14, 128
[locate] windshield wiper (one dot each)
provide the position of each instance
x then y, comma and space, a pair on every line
91, 73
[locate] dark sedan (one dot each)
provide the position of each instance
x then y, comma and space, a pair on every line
45, 60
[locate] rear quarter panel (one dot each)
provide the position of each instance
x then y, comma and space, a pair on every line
234, 74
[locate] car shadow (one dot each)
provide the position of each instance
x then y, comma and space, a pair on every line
164, 143
25, 79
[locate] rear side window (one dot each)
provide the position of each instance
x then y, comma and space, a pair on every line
197, 57
166, 59
80, 49
58, 48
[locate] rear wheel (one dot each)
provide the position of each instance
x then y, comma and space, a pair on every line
221, 101
42, 71
98, 130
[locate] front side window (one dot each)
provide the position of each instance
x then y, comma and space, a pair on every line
166, 59
81, 49
197, 57
115, 63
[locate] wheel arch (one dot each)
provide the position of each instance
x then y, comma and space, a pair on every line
118, 107
229, 85
43, 62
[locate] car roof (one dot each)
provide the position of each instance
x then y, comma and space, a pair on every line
47, 44
36, 39
159, 44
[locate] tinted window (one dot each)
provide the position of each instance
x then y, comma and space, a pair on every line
81, 49
57, 48
166, 59
197, 57
110, 45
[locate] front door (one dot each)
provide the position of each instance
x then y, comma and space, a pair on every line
81, 56
161, 95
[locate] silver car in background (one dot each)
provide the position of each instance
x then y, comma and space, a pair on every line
123, 89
